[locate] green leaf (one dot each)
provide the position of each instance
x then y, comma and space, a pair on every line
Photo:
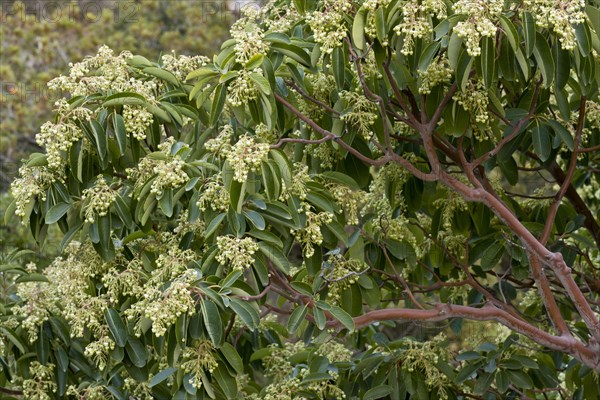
256, 219
124, 98
342, 316
294, 52
246, 312
275, 255
320, 319
100, 138
562, 60
377, 392
488, 62
380, 25
466, 372
57, 212
218, 103
261, 82
232, 357
564, 134
510, 31
123, 211
297, 317
543, 58
584, 38
427, 55
339, 67
492, 256
341, 178
358, 29
137, 352
165, 202
202, 74
161, 376
463, 70
468, 355
212, 321
237, 194
542, 143
120, 132
116, 326
502, 381
520, 379
214, 224
529, 33
162, 74
254, 62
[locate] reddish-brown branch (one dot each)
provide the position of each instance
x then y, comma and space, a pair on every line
325, 133
547, 296
553, 210
588, 355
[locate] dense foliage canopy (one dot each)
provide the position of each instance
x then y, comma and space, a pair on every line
263, 224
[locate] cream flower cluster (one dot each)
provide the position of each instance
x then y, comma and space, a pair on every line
287, 386
99, 351
437, 72
262, 132
171, 264
137, 120
423, 357
237, 253
341, 274
221, 144
41, 385
351, 201
481, 16
198, 358
129, 282
560, 16
57, 139
280, 17
328, 24
298, 188
416, 21
361, 112
311, 234
32, 182
163, 308
39, 302
97, 199
169, 172
181, 66
243, 89
475, 100
249, 36
592, 114
246, 155
104, 73
215, 195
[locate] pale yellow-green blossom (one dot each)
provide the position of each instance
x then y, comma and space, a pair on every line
236, 253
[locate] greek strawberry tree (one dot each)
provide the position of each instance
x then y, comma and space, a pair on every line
262, 224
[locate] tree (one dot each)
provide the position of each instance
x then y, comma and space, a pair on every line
261, 226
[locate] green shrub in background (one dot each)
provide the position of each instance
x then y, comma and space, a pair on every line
260, 225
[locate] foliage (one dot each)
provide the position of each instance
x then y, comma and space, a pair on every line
260, 226
40, 39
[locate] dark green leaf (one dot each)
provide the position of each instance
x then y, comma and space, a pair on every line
116, 326
57, 212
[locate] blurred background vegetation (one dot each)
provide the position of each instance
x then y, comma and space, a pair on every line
39, 39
